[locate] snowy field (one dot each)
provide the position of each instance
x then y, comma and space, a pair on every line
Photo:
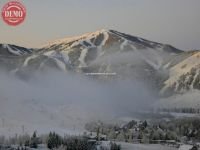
128, 146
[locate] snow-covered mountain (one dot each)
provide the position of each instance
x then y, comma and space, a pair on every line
59, 101
162, 66
82, 50
104, 51
54, 101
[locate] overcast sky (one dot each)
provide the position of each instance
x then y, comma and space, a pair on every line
175, 22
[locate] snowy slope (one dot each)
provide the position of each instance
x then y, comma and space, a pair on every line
161, 66
185, 75
103, 51
110, 51
88, 49
90, 46
13, 50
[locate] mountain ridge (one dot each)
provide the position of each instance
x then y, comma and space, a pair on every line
107, 51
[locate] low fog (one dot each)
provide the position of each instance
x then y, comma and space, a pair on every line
65, 102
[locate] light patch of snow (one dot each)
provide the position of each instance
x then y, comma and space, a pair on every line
58, 55
106, 36
151, 57
140, 39
88, 41
82, 58
4, 45
61, 65
81, 42
185, 147
123, 44
28, 59
129, 146
75, 44
42, 64
195, 77
49, 53
167, 65
61, 58
15, 52
65, 56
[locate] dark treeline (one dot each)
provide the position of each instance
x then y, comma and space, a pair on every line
53, 141
180, 110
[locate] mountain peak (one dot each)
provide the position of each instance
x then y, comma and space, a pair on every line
75, 38
106, 38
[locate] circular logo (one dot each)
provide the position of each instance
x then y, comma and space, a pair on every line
13, 13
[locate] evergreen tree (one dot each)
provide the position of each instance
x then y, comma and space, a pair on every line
54, 141
34, 140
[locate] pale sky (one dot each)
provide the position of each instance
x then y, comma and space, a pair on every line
175, 22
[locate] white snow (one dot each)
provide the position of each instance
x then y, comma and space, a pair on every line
49, 53
82, 58
180, 69
106, 36
28, 59
61, 65
76, 38
140, 39
155, 57
15, 52
65, 56
167, 65
185, 147
125, 42
150, 56
129, 146
61, 58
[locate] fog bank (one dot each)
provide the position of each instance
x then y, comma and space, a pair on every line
65, 102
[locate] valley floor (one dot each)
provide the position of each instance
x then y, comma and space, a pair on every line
124, 146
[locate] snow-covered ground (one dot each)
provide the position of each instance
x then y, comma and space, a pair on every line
185, 147
145, 147
128, 146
